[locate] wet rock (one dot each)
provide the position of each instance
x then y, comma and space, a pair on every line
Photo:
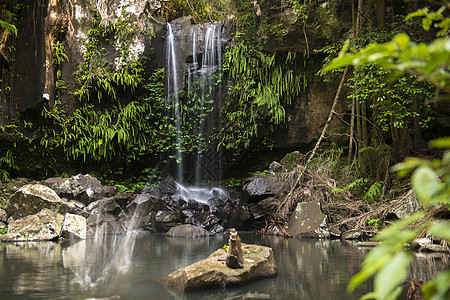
308, 221
74, 227
32, 198
274, 230
16, 185
428, 245
212, 272
107, 205
205, 220
168, 186
43, 226
241, 219
260, 187
109, 190
188, 231
165, 219
96, 217
196, 206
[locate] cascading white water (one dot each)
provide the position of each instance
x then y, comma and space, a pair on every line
201, 194
100, 262
211, 62
172, 98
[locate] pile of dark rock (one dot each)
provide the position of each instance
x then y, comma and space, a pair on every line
90, 208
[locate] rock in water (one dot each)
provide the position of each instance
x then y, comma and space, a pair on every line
212, 272
30, 199
43, 226
74, 226
188, 231
308, 221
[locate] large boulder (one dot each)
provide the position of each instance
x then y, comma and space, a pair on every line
308, 221
405, 207
43, 226
32, 198
84, 188
260, 187
188, 231
74, 227
212, 272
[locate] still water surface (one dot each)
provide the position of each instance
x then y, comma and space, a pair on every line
128, 266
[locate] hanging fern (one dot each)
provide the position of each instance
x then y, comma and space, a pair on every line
264, 84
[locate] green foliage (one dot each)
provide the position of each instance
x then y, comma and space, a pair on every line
200, 10
95, 134
374, 192
6, 163
3, 229
395, 103
9, 27
429, 18
59, 54
389, 262
263, 87
374, 222
400, 55
99, 77
360, 186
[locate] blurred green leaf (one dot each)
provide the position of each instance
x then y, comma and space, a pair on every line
426, 184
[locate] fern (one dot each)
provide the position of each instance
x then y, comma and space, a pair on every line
374, 192
263, 87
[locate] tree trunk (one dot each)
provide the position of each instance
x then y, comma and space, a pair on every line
380, 11
365, 138
352, 130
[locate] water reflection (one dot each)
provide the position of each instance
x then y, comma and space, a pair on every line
308, 269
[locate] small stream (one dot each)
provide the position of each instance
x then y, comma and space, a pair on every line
105, 266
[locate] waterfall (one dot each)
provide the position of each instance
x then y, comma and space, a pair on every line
200, 108
211, 63
172, 98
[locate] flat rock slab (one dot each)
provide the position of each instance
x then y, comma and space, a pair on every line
308, 221
212, 272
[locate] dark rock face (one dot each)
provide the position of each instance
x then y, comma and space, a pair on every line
260, 187
188, 231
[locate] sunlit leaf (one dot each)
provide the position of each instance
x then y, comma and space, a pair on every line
441, 229
426, 184
443, 142
392, 275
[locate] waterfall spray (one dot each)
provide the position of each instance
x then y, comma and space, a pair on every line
172, 96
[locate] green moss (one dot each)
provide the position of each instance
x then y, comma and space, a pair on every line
291, 160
